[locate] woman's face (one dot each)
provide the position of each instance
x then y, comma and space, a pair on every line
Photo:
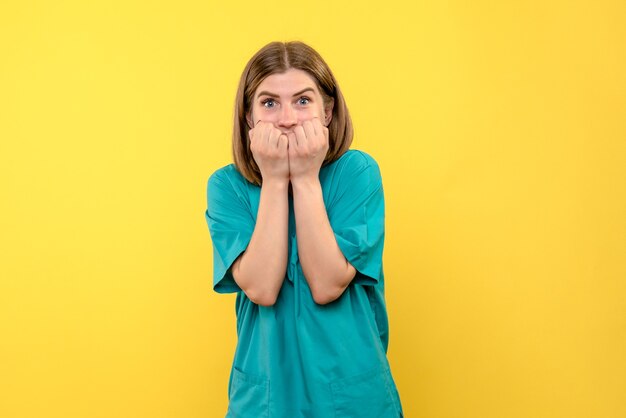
288, 99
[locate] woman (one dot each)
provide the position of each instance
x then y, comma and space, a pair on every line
297, 225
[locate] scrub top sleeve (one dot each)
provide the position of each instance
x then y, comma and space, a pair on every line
357, 217
230, 225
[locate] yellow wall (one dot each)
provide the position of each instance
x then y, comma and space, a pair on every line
500, 130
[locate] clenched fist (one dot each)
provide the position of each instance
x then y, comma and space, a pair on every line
308, 145
269, 149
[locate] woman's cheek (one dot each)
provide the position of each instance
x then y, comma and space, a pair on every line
307, 115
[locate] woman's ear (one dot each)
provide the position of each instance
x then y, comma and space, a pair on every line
329, 111
249, 119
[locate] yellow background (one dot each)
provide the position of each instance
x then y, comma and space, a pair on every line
500, 130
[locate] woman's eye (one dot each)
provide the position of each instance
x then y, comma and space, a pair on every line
269, 103
266, 101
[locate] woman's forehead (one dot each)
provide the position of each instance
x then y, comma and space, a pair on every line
291, 82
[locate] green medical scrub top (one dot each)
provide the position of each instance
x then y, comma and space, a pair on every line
298, 358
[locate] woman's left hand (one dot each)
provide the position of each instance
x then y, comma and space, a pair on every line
308, 145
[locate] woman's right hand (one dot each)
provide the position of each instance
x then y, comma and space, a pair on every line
269, 149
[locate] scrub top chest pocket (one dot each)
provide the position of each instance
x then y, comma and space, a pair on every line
370, 394
249, 396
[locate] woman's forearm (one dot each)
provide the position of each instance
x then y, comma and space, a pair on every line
261, 269
325, 267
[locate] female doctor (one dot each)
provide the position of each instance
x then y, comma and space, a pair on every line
297, 226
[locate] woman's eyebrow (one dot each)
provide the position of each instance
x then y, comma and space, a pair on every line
267, 93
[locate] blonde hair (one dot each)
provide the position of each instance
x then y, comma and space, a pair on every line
278, 57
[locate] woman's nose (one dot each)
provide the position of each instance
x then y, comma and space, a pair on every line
287, 117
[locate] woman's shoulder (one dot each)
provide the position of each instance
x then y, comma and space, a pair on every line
354, 170
228, 170
227, 176
355, 162
357, 159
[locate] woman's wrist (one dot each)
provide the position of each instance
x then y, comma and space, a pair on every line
305, 183
276, 183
